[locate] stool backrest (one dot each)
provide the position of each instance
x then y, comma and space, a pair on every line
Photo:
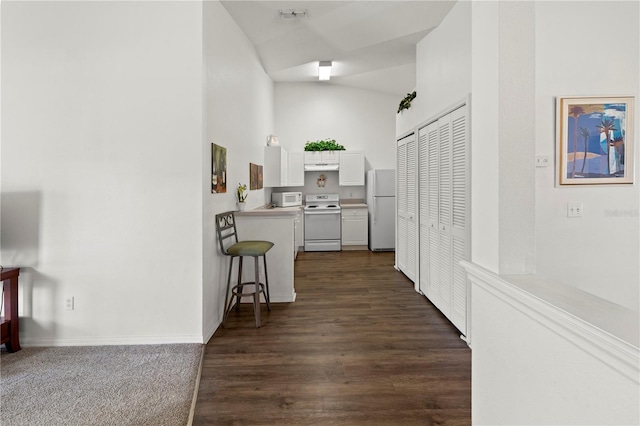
226, 229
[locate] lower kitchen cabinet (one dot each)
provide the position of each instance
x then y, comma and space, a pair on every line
355, 228
298, 234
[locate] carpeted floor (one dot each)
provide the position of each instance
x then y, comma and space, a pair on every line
99, 385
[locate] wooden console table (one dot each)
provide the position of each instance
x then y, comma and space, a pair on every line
9, 323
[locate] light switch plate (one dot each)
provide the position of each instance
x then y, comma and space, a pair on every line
543, 161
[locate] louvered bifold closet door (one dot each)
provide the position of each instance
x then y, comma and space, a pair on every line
412, 211
428, 184
460, 230
444, 212
401, 246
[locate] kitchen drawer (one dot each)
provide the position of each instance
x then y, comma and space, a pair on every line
354, 211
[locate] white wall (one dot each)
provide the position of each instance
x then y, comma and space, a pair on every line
598, 253
101, 169
443, 62
360, 120
443, 59
238, 116
517, 138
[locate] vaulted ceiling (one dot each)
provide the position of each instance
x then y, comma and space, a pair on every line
371, 43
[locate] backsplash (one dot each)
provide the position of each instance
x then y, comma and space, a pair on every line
330, 183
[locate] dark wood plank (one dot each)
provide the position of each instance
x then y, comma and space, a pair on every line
358, 347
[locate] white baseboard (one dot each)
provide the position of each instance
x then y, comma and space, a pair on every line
110, 341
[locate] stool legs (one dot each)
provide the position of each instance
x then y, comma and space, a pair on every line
267, 297
237, 290
256, 294
227, 302
240, 286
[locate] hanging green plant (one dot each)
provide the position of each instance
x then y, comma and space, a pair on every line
323, 145
406, 102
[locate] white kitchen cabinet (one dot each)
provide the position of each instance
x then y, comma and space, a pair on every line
355, 228
406, 244
322, 157
298, 234
275, 169
282, 168
351, 171
296, 169
444, 214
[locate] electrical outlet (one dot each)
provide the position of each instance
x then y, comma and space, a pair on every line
68, 304
574, 210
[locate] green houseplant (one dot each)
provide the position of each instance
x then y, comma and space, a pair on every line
323, 145
406, 102
241, 192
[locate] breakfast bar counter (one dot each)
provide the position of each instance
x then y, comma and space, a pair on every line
279, 226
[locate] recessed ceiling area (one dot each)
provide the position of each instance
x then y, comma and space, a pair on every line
372, 44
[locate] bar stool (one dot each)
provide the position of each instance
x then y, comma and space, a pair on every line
228, 236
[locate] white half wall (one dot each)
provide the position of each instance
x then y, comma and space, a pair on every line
548, 354
600, 252
238, 116
101, 169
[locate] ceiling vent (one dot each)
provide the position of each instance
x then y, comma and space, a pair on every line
293, 13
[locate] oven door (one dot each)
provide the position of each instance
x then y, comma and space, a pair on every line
322, 230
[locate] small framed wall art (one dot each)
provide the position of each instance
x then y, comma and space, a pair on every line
218, 169
595, 140
255, 176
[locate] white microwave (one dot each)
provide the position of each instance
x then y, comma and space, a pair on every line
286, 199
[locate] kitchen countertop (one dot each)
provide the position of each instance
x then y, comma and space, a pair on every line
265, 210
353, 203
271, 211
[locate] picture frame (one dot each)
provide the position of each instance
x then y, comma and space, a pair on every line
255, 176
595, 140
218, 169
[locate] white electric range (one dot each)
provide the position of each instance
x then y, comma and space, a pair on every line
322, 222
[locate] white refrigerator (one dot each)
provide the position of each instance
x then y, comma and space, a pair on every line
381, 199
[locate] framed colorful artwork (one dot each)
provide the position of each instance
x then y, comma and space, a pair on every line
595, 140
218, 169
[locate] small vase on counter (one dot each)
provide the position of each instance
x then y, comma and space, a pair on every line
241, 206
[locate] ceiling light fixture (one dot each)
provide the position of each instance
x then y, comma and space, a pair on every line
324, 70
293, 13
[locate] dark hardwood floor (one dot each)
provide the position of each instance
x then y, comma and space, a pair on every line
358, 347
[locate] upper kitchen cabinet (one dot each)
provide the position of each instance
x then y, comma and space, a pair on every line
275, 166
295, 175
282, 168
322, 157
351, 168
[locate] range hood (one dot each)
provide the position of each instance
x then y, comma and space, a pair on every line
321, 167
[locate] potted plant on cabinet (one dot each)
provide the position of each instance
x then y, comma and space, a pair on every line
322, 151
323, 145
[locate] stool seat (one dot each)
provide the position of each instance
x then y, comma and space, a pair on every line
250, 248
